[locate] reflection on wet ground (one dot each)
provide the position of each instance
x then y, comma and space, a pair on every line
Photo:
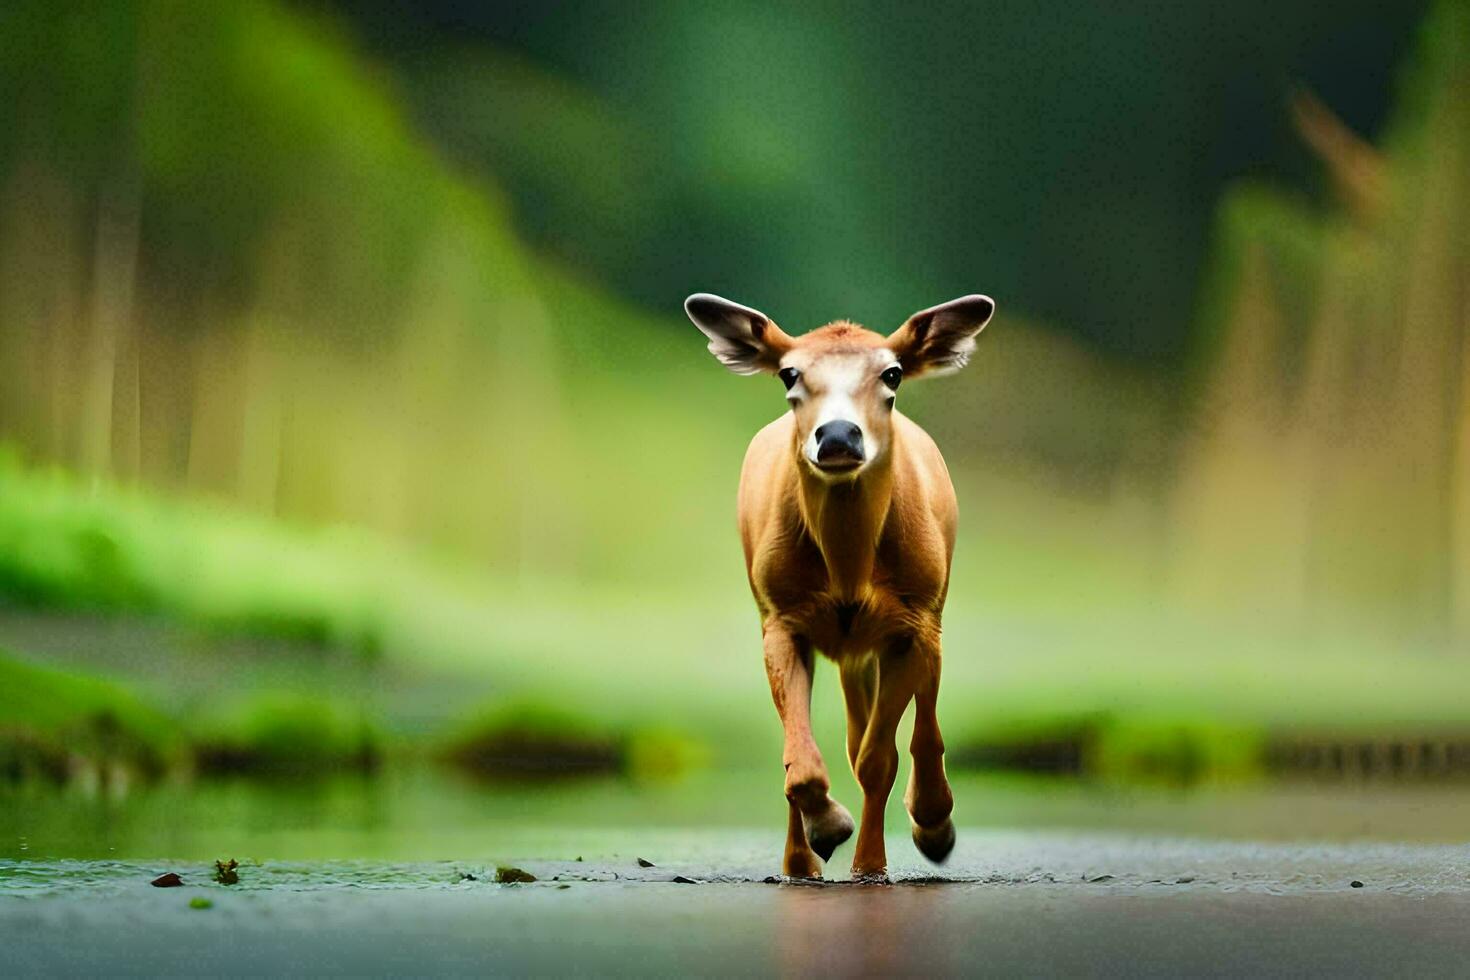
396, 875
425, 814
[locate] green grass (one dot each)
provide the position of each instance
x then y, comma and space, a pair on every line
64, 727
292, 734
63, 547
1120, 749
527, 740
61, 726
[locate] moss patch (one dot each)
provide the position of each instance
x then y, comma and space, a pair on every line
288, 735
59, 726
536, 741
1134, 749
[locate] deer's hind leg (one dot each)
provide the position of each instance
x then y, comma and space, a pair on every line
929, 799
816, 823
859, 688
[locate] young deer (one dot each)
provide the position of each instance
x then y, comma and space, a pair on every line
847, 515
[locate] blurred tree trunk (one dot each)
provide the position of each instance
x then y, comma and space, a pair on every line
114, 272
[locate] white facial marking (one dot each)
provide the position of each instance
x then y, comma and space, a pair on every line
839, 378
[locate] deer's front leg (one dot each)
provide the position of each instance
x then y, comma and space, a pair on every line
817, 823
877, 756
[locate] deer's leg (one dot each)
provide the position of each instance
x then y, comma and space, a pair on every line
859, 687
816, 823
799, 860
928, 799
877, 757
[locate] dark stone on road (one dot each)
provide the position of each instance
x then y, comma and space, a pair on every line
645, 863
1356, 883
167, 880
513, 876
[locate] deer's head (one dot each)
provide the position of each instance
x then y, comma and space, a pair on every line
841, 380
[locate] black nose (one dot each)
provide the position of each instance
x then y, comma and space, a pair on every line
839, 442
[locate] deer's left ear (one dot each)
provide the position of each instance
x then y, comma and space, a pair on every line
940, 339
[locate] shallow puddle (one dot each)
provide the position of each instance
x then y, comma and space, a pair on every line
424, 814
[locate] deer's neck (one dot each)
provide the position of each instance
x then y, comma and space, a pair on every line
845, 519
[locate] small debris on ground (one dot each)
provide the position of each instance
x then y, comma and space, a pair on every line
226, 873
200, 903
563, 886
513, 876
167, 880
1356, 883
466, 876
645, 863
1185, 880
681, 880
579, 857
1100, 878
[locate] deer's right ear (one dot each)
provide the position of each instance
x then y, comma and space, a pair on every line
743, 339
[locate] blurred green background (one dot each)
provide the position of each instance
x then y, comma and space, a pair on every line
349, 418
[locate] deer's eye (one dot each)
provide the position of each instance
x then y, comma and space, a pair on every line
789, 376
892, 377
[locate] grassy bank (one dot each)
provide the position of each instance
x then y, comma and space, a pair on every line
63, 727
65, 547
256, 631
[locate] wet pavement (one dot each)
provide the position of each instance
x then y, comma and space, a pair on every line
1009, 903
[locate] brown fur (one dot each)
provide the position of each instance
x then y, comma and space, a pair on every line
856, 568
883, 544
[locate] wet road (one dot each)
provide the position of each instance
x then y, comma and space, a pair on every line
1008, 904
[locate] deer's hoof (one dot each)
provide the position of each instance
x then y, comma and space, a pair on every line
936, 842
879, 877
801, 866
828, 830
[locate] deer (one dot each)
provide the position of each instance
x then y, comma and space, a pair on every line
847, 516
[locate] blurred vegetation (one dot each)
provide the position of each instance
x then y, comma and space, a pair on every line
529, 740
1329, 473
844, 159
288, 735
63, 547
1136, 748
312, 343
63, 728
367, 343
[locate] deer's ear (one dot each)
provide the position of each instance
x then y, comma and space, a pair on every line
743, 339
942, 338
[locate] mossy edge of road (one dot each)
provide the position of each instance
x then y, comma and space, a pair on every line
59, 727
532, 740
